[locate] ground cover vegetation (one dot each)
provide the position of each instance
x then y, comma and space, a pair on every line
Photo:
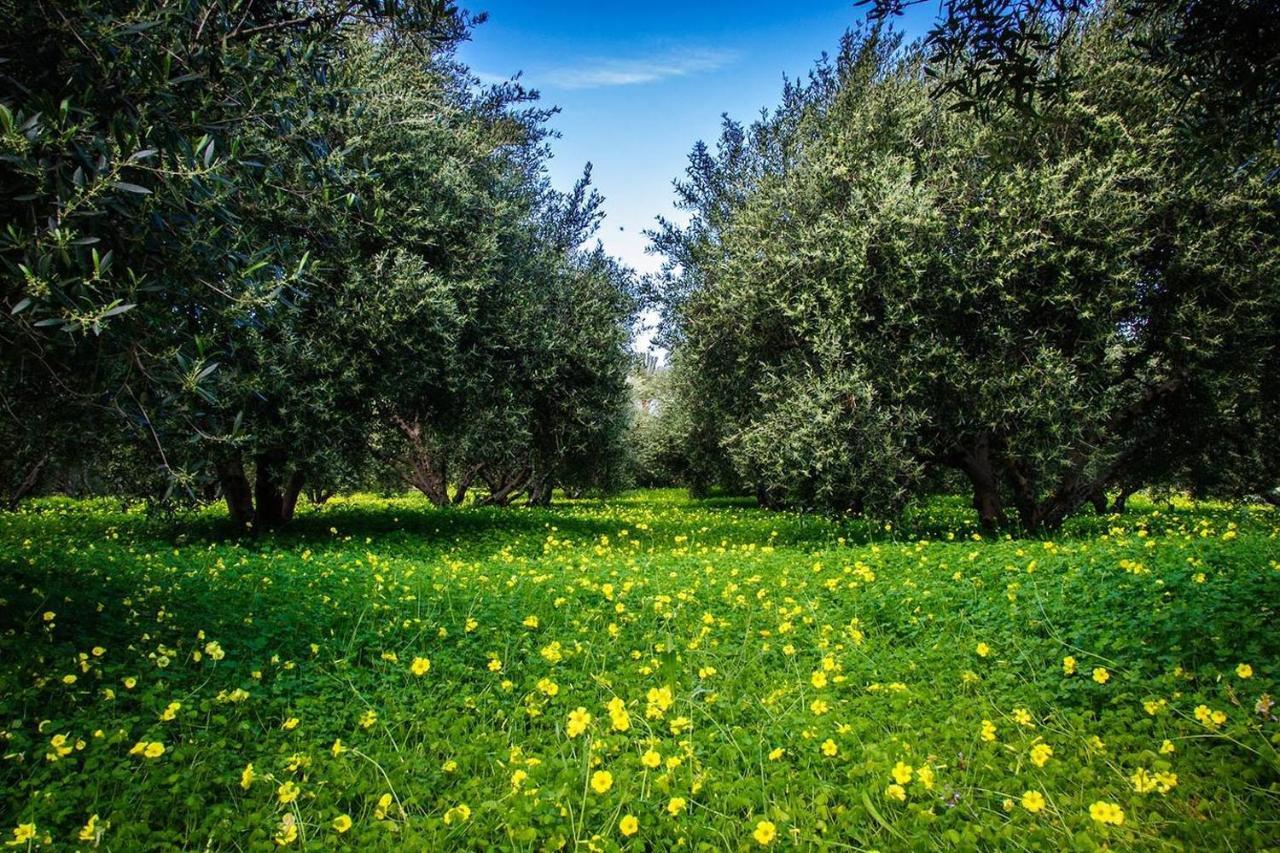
639, 672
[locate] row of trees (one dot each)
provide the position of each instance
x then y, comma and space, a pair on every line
881, 289
254, 249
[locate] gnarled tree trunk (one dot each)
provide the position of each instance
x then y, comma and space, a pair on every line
271, 499
426, 468
975, 462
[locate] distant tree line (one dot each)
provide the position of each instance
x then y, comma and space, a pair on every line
251, 251
882, 291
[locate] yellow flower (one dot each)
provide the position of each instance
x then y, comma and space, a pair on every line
819, 707
1040, 754
1167, 747
818, 679
765, 832
925, 776
1033, 801
983, 650
287, 793
675, 805
1022, 717
628, 826
290, 724
420, 666
1101, 675
895, 792
530, 622
337, 748
1104, 812
458, 813
383, 807
288, 832
247, 776
495, 664
579, 719
449, 766
548, 687
776, 753
988, 731
651, 759
49, 616
170, 712
1068, 665
1244, 671
341, 823
660, 700
618, 716
902, 773
130, 683
368, 719
90, 830
601, 781
517, 778
155, 749
69, 679
829, 747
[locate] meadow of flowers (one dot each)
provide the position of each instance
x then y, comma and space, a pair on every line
644, 672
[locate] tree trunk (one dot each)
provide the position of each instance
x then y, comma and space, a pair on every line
506, 490
28, 484
291, 492
236, 491
464, 483
975, 462
1099, 500
319, 496
1121, 503
540, 491
269, 490
426, 470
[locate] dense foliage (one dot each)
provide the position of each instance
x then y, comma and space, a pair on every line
261, 245
874, 290
643, 673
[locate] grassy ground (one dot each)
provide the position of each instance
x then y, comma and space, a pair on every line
743, 678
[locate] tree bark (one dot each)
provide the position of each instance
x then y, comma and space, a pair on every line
464, 484
539, 491
319, 496
1099, 500
291, 492
506, 490
976, 464
28, 484
237, 491
426, 471
269, 489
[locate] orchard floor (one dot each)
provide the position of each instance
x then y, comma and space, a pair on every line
642, 672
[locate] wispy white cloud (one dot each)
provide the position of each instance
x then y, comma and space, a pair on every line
488, 79
637, 70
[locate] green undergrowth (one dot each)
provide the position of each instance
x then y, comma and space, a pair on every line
646, 671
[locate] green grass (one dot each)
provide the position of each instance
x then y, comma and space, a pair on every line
731, 609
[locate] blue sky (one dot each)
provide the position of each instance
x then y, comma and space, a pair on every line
639, 83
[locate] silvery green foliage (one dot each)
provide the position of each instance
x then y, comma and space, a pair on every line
1053, 308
